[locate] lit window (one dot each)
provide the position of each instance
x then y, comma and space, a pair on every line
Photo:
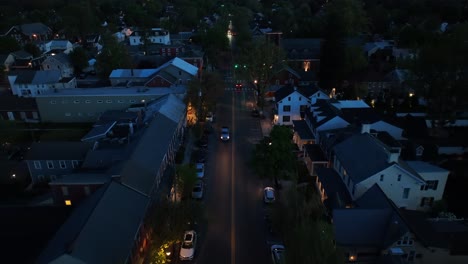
68, 202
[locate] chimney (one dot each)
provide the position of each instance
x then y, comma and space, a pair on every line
365, 128
393, 155
130, 127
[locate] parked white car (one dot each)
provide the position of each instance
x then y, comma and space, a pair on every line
200, 170
269, 195
187, 249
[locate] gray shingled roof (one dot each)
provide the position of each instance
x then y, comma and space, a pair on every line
361, 156
338, 194
303, 130
38, 77
286, 90
140, 170
368, 227
302, 48
109, 233
58, 150
34, 28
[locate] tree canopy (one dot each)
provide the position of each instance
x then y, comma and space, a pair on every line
113, 56
273, 156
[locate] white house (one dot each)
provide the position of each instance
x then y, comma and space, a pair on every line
155, 36
292, 102
362, 161
33, 83
56, 45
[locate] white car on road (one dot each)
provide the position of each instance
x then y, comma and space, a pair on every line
187, 249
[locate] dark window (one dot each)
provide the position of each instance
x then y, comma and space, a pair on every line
286, 108
286, 118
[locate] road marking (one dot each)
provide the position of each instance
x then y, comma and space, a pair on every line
233, 224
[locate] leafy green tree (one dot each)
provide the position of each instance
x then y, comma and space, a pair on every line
86, 22
8, 44
273, 156
79, 59
113, 55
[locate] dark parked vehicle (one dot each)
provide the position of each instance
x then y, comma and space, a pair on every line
255, 112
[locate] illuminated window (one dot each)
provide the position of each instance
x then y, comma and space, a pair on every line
68, 202
306, 66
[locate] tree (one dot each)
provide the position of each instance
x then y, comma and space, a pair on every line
79, 59
344, 18
9, 44
186, 176
204, 93
113, 55
440, 73
259, 59
307, 237
33, 49
273, 156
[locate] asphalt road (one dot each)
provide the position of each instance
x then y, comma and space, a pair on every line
235, 231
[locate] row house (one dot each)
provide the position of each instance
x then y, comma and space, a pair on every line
29, 32
29, 83
292, 102
121, 208
13, 108
383, 233
51, 160
174, 72
153, 36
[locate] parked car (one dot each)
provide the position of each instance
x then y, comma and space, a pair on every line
200, 170
277, 253
255, 112
187, 249
269, 195
200, 156
224, 133
197, 191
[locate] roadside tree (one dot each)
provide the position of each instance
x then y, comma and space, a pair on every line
273, 156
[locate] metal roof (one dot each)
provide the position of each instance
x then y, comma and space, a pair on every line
139, 172
109, 232
132, 73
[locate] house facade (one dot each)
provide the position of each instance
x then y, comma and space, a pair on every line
13, 108
87, 105
34, 83
60, 62
292, 102
29, 32
49, 160
154, 36
362, 161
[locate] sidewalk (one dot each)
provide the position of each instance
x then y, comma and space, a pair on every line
267, 122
